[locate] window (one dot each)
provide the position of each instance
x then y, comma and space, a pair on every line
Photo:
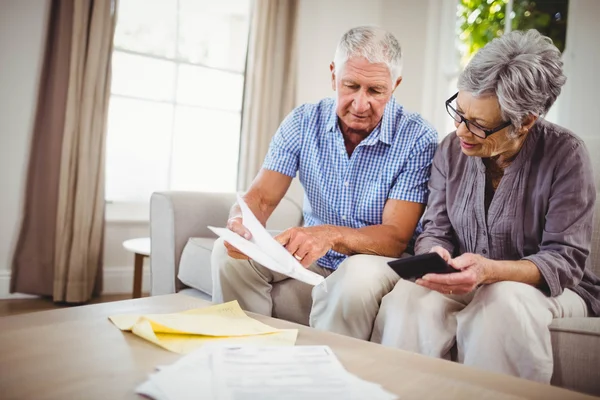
480, 21
176, 97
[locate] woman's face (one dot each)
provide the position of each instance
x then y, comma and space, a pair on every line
485, 112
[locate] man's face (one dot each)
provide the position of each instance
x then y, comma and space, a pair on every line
363, 90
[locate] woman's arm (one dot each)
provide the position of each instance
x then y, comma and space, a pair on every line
437, 229
564, 247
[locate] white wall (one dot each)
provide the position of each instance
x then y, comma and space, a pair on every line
22, 36
322, 23
578, 103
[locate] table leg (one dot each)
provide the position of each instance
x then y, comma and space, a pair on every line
137, 275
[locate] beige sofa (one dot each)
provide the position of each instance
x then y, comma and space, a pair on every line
180, 262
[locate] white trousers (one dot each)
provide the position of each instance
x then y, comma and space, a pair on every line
501, 327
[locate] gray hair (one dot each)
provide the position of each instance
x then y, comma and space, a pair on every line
375, 44
522, 69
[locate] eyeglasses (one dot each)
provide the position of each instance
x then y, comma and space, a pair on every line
472, 126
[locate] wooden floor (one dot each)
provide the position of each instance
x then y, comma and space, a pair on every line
21, 306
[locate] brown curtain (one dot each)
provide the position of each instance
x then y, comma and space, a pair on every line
59, 252
269, 93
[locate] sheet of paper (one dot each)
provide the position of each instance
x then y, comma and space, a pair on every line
185, 331
265, 250
125, 322
248, 372
184, 344
301, 372
226, 319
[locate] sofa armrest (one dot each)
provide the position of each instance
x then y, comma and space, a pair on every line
177, 216
174, 218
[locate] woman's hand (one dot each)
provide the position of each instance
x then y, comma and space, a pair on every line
445, 254
474, 270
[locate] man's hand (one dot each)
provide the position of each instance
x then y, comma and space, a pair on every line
307, 244
474, 270
234, 224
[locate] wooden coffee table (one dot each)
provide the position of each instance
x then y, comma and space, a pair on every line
77, 353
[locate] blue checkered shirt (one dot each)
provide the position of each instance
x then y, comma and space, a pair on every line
393, 162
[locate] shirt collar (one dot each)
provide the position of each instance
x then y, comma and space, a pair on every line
384, 132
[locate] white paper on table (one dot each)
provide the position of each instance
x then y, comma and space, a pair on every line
265, 250
190, 378
301, 372
230, 372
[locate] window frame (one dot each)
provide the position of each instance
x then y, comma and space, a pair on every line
138, 211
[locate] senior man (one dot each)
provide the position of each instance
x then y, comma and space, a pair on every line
364, 163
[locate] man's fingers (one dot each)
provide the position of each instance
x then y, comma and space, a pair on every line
235, 225
234, 252
283, 238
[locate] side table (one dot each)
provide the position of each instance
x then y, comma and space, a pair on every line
140, 247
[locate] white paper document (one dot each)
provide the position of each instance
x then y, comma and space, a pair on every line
233, 372
265, 250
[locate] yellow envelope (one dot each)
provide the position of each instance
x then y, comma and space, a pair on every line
185, 331
186, 343
226, 319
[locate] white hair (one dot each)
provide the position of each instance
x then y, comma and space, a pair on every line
523, 69
375, 44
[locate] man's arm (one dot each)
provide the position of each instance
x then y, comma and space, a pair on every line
265, 193
389, 239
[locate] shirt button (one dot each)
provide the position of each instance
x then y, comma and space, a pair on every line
346, 183
484, 251
344, 217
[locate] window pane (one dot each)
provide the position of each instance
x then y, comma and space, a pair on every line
214, 33
210, 88
479, 22
147, 26
143, 77
548, 17
205, 150
137, 149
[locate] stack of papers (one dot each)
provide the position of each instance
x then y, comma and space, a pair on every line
186, 331
265, 250
230, 372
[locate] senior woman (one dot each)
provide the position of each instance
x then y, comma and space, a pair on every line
511, 207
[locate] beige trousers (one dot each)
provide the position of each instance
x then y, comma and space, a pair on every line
246, 281
501, 327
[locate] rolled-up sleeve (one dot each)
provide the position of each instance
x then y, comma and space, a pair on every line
411, 184
437, 229
284, 149
567, 235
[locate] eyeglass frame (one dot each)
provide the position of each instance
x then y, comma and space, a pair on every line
487, 132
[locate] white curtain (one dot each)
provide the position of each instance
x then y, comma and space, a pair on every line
270, 81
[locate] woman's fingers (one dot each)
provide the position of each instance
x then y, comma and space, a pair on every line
445, 289
442, 252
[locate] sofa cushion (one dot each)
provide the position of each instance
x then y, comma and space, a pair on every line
194, 267
576, 359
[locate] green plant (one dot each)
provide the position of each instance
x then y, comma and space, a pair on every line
480, 21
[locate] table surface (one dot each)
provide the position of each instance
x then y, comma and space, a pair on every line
78, 353
139, 245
